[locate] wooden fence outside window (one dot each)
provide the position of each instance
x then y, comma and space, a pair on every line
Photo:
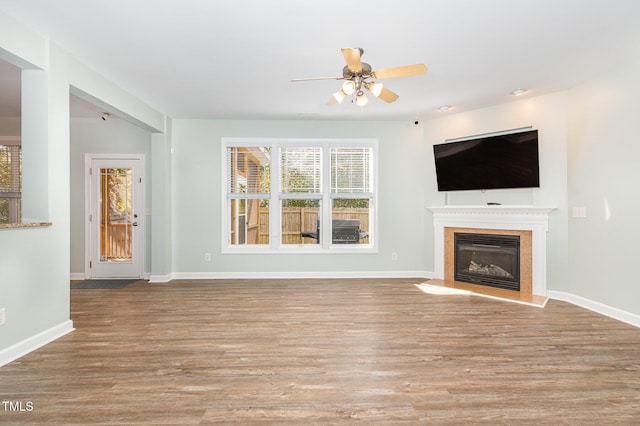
296, 220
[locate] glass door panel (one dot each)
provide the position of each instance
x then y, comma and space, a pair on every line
115, 222
116, 214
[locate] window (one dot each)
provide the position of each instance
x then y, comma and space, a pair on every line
299, 195
248, 194
351, 193
10, 180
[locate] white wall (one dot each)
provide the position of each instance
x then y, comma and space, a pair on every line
549, 115
604, 174
197, 193
114, 136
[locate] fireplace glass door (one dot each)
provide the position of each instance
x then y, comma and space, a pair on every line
488, 259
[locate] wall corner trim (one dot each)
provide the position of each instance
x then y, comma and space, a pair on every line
26, 346
160, 278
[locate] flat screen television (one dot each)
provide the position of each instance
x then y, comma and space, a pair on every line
493, 162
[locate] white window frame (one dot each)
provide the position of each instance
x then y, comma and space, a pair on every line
275, 245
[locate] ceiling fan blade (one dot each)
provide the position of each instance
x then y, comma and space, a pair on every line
316, 78
388, 96
352, 57
405, 71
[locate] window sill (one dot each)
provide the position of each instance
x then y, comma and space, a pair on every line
25, 224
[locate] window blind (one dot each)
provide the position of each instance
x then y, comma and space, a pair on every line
10, 170
248, 170
300, 169
10, 183
351, 170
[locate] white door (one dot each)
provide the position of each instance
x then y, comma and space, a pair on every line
115, 217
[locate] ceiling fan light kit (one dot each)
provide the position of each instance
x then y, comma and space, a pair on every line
339, 96
361, 99
357, 74
375, 88
348, 87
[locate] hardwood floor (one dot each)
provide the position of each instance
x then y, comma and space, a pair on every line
325, 352
498, 293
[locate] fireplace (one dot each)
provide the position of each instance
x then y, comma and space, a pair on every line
530, 223
487, 259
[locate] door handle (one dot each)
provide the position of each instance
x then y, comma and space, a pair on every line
134, 224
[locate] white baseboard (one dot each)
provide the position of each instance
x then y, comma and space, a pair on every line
285, 275
160, 278
598, 307
20, 349
79, 276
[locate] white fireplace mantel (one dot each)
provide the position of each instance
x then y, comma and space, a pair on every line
519, 218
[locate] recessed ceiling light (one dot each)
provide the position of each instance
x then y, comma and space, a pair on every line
519, 92
444, 108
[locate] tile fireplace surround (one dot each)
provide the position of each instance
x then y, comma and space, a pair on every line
494, 219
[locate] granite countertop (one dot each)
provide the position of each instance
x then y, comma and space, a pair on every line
25, 224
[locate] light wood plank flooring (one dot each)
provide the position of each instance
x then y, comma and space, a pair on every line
499, 293
325, 352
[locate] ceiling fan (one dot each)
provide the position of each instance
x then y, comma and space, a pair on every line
358, 75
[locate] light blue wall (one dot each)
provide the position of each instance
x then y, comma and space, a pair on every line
21, 46
161, 205
35, 139
34, 263
95, 136
604, 174
94, 88
589, 154
197, 198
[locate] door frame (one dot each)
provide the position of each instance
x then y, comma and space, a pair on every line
88, 159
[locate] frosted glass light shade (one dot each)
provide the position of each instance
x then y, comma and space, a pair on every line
340, 95
375, 88
348, 87
361, 99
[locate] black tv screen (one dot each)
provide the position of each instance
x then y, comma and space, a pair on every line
492, 162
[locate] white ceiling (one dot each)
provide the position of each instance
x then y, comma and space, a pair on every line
234, 59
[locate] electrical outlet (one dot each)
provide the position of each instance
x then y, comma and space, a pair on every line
207, 257
3, 316
394, 256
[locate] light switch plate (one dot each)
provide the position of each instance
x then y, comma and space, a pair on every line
579, 212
